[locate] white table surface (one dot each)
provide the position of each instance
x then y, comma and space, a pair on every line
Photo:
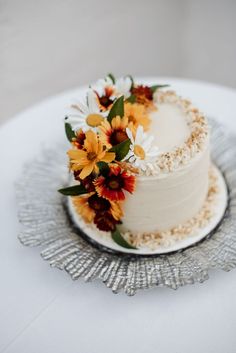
43, 310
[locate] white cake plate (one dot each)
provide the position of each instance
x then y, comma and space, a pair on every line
104, 239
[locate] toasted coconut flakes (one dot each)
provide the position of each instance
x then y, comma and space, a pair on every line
168, 162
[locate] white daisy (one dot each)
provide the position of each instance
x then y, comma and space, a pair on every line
86, 114
121, 87
102, 84
142, 153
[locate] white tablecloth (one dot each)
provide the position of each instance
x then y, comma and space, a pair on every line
43, 310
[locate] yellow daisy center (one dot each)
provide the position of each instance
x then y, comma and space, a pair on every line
139, 151
94, 120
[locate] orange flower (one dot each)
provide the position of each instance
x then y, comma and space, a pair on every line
113, 185
91, 205
82, 207
114, 133
143, 95
86, 159
136, 114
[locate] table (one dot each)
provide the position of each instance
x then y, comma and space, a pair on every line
43, 310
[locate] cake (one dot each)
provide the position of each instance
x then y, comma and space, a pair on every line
139, 160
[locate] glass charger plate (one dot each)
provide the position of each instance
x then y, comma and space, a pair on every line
45, 223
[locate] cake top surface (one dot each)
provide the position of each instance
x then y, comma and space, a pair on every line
168, 126
180, 129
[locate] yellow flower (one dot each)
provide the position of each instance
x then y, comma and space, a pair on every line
136, 114
86, 159
114, 133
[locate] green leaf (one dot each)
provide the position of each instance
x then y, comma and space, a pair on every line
132, 81
73, 190
155, 87
69, 132
121, 149
103, 168
112, 77
117, 109
131, 99
118, 239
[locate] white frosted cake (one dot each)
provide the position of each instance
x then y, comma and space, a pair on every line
139, 160
179, 188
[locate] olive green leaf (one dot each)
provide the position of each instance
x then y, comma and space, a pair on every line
69, 132
103, 168
73, 190
117, 109
132, 81
155, 87
131, 99
118, 239
112, 77
121, 149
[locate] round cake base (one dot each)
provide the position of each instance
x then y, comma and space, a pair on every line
173, 242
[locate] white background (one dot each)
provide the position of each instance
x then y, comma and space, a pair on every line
48, 46
42, 310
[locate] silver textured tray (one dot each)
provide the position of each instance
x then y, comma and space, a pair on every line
45, 223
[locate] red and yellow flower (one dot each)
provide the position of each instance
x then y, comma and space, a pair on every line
105, 221
111, 134
92, 207
143, 95
112, 186
114, 133
86, 159
105, 101
78, 141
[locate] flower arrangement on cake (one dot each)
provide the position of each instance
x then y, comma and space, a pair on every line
122, 163
110, 143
